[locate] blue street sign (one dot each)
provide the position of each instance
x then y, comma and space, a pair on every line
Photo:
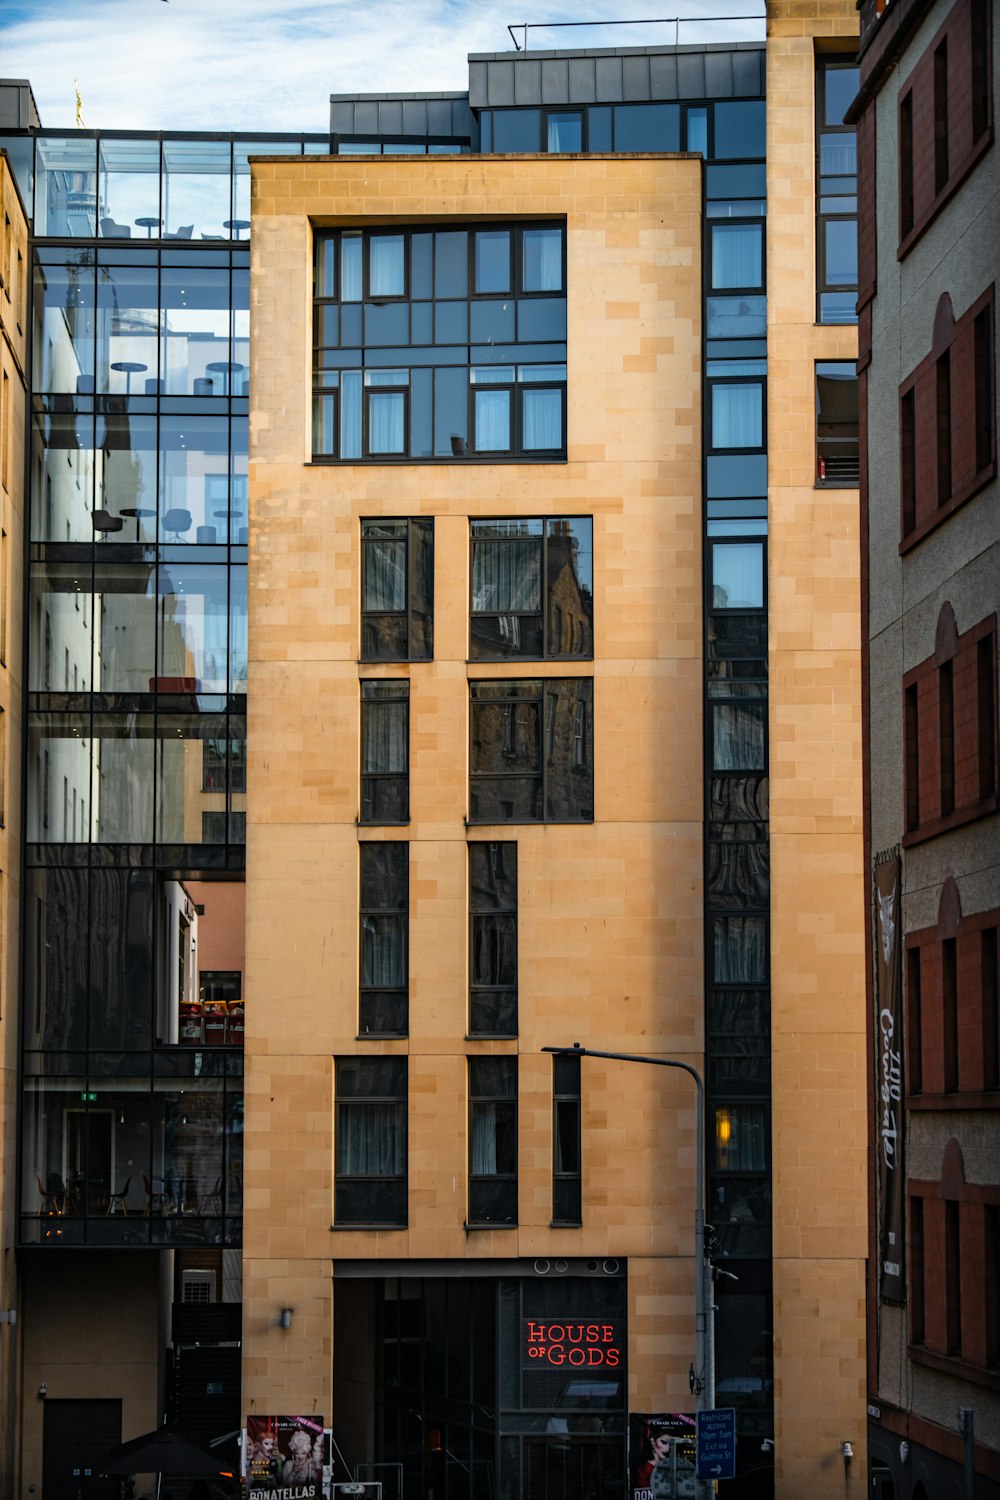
717, 1443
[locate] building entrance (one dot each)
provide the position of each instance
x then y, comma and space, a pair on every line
478, 1387
77, 1438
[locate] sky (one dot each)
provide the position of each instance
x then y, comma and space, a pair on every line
262, 65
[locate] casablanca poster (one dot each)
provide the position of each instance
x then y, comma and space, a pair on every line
661, 1455
286, 1458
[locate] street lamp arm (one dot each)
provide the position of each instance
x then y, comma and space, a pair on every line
704, 1305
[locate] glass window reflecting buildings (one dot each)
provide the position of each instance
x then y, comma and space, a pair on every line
137, 657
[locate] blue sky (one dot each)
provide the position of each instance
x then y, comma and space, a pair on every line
260, 65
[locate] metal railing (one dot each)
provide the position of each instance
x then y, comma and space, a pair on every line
675, 21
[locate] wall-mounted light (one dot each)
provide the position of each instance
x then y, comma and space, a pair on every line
286, 1317
43, 1391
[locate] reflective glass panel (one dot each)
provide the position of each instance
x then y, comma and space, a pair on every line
841, 252
195, 358
493, 260
66, 186
124, 627
192, 628
128, 328
516, 130
188, 811
648, 127
60, 628
839, 88
737, 575
122, 779
542, 269
565, 131
739, 128
737, 256
196, 503
64, 327
196, 189
62, 476
59, 794
129, 178
126, 476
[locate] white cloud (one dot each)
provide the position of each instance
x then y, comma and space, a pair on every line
258, 65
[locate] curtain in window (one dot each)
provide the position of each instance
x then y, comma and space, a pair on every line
542, 257
737, 416
383, 952
386, 410
565, 132
542, 412
738, 737
736, 256
485, 1125
385, 576
350, 268
370, 1140
740, 1138
384, 740
386, 265
492, 421
350, 414
507, 576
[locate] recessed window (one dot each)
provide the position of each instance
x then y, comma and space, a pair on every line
386, 265
567, 1172
836, 192
838, 460
532, 589
737, 575
385, 732
564, 129
737, 414
492, 1140
397, 590
493, 939
737, 257
532, 755
370, 1141
384, 939
493, 261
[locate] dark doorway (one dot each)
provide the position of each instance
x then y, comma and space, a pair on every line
77, 1438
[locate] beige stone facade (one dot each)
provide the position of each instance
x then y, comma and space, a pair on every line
819, 1074
610, 948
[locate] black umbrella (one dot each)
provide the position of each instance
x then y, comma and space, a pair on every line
164, 1451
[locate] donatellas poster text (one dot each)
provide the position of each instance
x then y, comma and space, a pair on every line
286, 1458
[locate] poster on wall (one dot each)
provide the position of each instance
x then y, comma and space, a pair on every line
661, 1455
286, 1458
889, 1077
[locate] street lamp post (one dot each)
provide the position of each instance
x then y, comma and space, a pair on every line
704, 1383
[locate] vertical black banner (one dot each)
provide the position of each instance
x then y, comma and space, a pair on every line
889, 1078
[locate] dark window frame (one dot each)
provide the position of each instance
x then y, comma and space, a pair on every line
711, 224
475, 917
853, 475
401, 1101
542, 613
367, 392
401, 991
541, 698
412, 603
401, 685
825, 64
567, 1185
711, 381
475, 1219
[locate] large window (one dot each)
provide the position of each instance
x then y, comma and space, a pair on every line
492, 1140
836, 192
384, 992
440, 343
532, 752
370, 1145
397, 590
493, 939
837, 459
385, 757
532, 589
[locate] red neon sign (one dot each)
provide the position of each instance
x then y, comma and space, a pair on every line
557, 1344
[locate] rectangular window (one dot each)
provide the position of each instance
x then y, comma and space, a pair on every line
737, 575
397, 590
983, 377
472, 322
941, 116
946, 736
917, 1295
493, 939
370, 1148
949, 1012
838, 463
914, 1017
905, 164
737, 415
532, 589
908, 459
384, 939
942, 385
836, 192
564, 130
990, 1007
991, 1283
982, 72
567, 1170
492, 1140
218, 986
532, 751
741, 1138
953, 1277
385, 747
911, 748
737, 257
986, 707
